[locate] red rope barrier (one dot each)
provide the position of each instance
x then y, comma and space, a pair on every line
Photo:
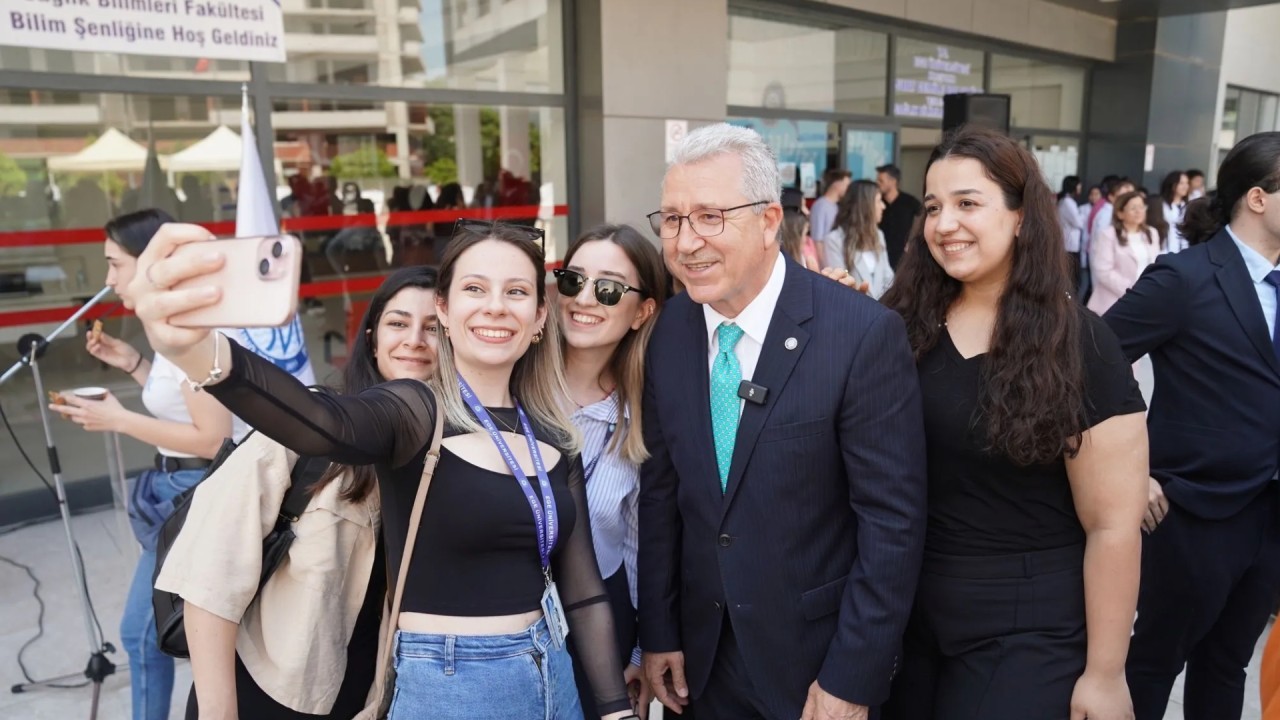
78, 236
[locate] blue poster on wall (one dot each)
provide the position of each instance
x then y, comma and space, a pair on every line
796, 143
866, 150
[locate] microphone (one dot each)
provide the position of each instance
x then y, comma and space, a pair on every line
752, 392
32, 345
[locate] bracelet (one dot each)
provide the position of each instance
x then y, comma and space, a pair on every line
215, 372
136, 365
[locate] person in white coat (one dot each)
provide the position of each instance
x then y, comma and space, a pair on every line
857, 245
1173, 195
1072, 221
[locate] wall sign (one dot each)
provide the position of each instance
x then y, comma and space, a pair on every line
927, 71
228, 29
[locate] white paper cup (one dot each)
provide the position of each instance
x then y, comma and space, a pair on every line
90, 393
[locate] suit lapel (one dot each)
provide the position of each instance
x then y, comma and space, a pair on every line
697, 376
1233, 277
773, 370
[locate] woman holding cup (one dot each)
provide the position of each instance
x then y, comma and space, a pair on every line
186, 427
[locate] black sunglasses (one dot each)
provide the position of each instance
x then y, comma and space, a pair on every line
486, 227
608, 292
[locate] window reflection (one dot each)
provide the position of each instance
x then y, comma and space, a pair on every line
1044, 95
788, 65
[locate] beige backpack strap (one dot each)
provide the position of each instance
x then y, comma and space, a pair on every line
415, 517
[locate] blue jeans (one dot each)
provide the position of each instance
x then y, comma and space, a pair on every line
150, 671
492, 677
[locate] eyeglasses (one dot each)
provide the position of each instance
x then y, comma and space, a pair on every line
487, 227
707, 222
608, 292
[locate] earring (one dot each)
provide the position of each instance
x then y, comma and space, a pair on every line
445, 328
537, 337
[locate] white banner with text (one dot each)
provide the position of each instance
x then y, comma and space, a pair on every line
209, 29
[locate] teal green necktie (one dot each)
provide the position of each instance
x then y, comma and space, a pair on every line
726, 376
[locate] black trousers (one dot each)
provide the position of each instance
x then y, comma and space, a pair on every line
729, 694
1208, 588
624, 626
993, 638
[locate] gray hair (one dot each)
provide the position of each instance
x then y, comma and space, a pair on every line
760, 179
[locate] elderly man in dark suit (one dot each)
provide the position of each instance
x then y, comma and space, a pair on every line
782, 511
1211, 560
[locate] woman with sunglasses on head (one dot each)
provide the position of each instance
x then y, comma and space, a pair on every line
612, 287
504, 551
246, 657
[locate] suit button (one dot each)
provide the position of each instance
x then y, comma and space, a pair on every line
725, 541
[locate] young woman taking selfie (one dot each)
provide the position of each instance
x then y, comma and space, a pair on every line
246, 656
504, 548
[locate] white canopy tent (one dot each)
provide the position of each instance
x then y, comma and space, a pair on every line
219, 151
113, 151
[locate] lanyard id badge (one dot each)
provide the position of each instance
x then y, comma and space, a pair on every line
546, 519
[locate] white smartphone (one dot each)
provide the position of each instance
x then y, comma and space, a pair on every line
259, 282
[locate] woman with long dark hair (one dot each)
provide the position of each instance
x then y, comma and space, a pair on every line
186, 428
1036, 453
1173, 204
1071, 218
612, 287
856, 243
305, 645
504, 549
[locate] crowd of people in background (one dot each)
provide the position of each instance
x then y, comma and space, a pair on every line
932, 489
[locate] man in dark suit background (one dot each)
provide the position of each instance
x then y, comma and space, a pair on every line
1211, 560
781, 518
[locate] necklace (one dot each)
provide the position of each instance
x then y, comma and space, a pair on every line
502, 424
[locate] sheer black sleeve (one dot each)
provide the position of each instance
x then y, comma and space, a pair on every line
586, 605
387, 424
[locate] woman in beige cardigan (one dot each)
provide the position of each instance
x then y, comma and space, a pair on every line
1121, 252
305, 647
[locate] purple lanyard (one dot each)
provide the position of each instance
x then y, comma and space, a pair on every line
548, 525
604, 448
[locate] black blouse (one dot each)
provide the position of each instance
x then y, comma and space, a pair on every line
477, 551
981, 503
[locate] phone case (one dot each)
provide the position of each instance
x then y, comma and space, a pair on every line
259, 283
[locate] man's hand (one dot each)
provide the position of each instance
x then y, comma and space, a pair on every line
822, 705
638, 690
1157, 506
665, 672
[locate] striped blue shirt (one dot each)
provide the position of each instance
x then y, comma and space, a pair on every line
613, 494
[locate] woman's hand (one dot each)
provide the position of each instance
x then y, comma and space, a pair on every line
105, 415
113, 351
158, 271
638, 689
1101, 697
844, 278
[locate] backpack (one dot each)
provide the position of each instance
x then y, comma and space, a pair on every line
169, 607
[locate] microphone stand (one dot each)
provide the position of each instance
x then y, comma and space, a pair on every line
31, 348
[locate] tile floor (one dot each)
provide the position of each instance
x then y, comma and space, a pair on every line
108, 552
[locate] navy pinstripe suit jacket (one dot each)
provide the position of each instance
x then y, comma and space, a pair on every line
813, 551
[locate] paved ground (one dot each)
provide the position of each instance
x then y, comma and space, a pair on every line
108, 552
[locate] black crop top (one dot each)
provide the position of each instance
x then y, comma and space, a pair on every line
477, 550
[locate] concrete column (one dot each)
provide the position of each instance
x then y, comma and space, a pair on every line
513, 131
1161, 91
466, 140
666, 59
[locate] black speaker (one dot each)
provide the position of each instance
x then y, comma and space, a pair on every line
986, 110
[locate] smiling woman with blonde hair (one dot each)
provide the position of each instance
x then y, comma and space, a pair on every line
504, 550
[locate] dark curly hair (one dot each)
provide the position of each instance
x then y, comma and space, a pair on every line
1032, 396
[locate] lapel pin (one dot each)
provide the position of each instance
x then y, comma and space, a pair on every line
791, 344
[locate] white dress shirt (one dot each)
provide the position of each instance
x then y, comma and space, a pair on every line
754, 321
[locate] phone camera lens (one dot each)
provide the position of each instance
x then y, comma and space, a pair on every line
264, 267
277, 249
